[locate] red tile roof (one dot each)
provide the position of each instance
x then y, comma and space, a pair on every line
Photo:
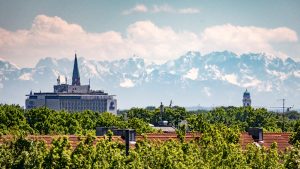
281, 138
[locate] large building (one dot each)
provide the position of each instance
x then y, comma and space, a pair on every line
74, 97
246, 99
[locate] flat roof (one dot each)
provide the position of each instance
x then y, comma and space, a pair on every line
70, 94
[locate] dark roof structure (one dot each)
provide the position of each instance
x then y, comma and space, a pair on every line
246, 93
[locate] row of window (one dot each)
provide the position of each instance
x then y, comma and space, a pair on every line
80, 105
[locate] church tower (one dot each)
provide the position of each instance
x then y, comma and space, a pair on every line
246, 99
75, 77
73, 97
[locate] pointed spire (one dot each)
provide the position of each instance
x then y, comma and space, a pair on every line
75, 77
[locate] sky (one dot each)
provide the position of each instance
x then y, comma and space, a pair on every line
154, 30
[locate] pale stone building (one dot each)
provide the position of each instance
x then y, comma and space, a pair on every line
74, 97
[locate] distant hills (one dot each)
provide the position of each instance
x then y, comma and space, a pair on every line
214, 79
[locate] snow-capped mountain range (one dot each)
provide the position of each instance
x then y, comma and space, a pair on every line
214, 79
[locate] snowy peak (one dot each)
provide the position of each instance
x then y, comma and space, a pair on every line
7, 66
191, 75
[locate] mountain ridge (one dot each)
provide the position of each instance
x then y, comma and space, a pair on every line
189, 80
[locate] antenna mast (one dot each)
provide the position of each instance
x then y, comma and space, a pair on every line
283, 108
283, 112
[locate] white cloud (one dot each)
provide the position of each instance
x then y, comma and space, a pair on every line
54, 37
231, 78
127, 83
244, 39
164, 8
192, 74
159, 44
189, 10
137, 8
249, 81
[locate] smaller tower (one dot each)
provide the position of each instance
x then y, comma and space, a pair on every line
246, 99
161, 108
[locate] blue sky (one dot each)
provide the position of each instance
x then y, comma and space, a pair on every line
117, 26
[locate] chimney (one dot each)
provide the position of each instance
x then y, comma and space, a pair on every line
256, 133
127, 134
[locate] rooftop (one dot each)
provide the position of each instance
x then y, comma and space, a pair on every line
269, 137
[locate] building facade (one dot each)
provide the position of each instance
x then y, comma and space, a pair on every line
246, 99
74, 97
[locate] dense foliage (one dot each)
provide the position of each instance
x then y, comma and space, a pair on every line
45, 121
237, 117
14, 119
241, 117
217, 148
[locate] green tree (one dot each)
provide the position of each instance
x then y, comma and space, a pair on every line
109, 155
22, 153
293, 158
12, 120
140, 126
84, 154
59, 154
295, 137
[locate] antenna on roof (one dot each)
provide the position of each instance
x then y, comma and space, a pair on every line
58, 80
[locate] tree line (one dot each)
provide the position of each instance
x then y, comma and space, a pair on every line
45, 121
14, 118
218, 146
